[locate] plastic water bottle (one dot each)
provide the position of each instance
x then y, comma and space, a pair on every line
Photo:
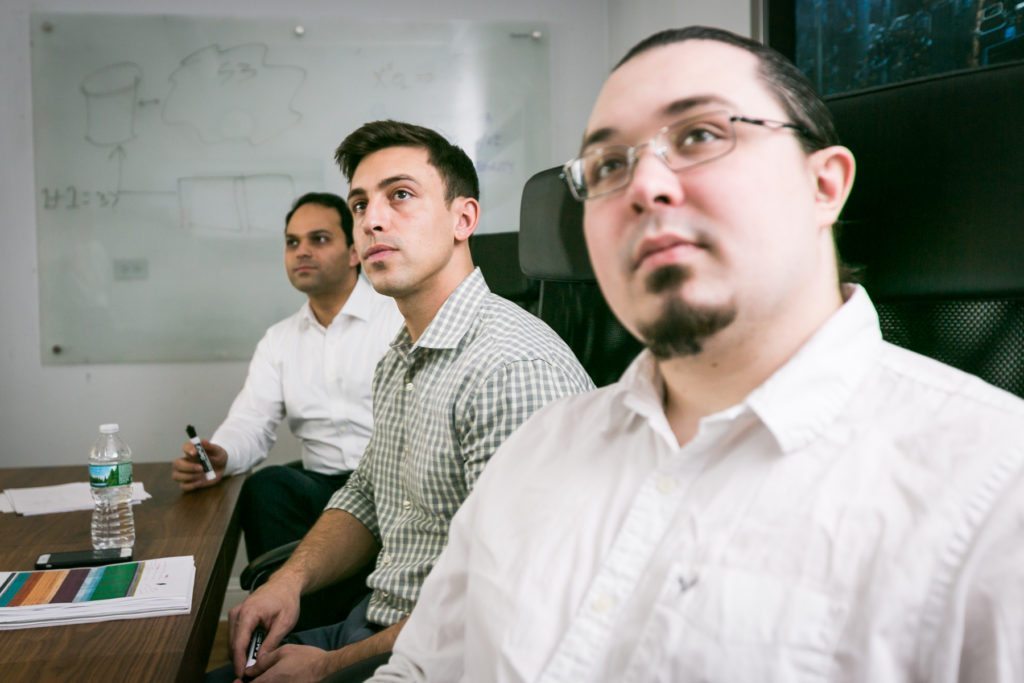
110, 475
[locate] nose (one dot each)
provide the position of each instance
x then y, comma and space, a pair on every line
653, 184
371, 219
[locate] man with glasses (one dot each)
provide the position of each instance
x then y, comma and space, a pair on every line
771, 491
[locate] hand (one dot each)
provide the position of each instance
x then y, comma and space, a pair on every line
189, 473
292, 663
275, 605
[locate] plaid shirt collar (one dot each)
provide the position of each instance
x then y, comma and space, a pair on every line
452, 320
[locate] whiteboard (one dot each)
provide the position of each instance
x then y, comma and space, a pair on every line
169, 148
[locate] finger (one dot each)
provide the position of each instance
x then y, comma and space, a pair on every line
183, 471
275, 634
241, 632
264, 661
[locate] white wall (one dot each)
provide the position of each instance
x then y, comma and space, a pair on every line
49, 415
630, 21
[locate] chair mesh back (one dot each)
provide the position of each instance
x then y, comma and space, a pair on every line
984, 338
578, 313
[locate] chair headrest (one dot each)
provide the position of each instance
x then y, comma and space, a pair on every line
551, 244
497, 255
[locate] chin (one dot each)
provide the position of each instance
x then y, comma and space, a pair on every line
384, 285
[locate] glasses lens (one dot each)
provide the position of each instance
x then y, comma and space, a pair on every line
605, 169
697, 140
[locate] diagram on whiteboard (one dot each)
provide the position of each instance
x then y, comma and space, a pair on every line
222, 94
168, 150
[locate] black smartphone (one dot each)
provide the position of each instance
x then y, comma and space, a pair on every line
83, 558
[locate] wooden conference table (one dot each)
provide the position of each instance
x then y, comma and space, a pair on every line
203, 524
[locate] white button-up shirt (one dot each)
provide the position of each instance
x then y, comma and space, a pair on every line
320, 378
859, 517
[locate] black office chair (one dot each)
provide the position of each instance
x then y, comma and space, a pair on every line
497, 255
552, 250
936, 217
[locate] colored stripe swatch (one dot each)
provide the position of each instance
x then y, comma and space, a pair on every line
76, 585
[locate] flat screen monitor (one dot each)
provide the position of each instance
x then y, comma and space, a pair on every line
849, 45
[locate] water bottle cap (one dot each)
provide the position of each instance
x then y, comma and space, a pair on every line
111, 428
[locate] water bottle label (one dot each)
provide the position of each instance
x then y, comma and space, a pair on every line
102, 476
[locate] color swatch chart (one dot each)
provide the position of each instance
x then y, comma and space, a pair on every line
129, 590
71, 585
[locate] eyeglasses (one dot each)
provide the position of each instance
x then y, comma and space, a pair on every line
686, 143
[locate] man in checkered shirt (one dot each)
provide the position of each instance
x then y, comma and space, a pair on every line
465, 371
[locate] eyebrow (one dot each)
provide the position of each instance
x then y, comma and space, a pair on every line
673, 108
312, 233
390, 180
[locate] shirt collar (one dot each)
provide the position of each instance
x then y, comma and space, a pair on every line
358, 305
453, 319
802, 398
360, 300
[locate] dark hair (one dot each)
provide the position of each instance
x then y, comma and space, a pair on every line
789, 85
331, 201
456, 168
792, 88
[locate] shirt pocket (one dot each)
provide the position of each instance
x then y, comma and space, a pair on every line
714, 623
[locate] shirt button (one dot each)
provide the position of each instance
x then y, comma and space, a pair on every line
385, 559
603, 604
666, 484
409, 386
406, 504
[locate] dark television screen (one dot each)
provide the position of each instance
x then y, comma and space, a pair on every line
847, 45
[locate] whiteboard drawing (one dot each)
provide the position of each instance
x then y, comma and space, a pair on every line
233, 94
235, 205
169, 147
110, 95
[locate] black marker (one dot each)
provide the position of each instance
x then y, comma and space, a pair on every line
204, 459
254, 646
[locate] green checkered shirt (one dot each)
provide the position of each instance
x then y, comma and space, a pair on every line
441, 407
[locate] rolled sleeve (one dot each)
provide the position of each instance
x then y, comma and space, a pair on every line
357, 498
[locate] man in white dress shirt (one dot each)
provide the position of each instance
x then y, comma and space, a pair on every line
771, 492
314, 368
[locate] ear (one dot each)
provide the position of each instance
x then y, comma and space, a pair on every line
833, 170
466, 212
353, 256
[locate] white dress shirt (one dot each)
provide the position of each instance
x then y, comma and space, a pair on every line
319, 377
859, 517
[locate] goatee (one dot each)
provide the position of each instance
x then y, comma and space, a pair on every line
682, 328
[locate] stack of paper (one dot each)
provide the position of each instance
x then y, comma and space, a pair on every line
41, 500
130, 590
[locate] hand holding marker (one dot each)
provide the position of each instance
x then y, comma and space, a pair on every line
204, 459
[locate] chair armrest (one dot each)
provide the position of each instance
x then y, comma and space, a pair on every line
260, 569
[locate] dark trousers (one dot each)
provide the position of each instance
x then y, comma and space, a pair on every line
279, 504
352, 629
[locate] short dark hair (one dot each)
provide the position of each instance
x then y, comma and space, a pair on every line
331, 201
792, 88
454, 165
